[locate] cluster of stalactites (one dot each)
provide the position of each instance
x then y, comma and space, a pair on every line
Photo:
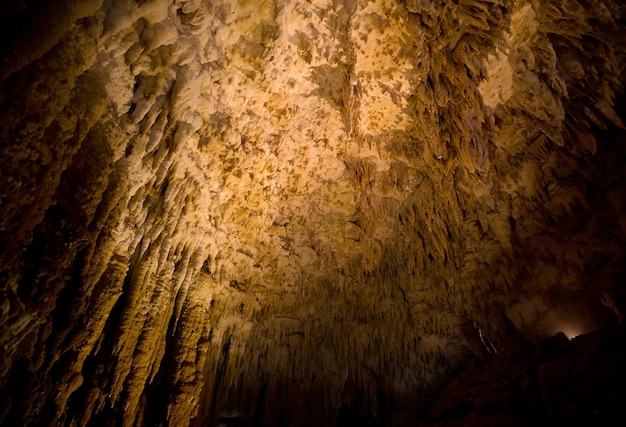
278, 209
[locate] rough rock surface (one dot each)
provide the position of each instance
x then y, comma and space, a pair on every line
290, 212
555, 383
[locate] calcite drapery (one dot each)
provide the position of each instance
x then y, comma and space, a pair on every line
281, 208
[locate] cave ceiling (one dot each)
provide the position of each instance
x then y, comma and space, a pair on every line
214, 207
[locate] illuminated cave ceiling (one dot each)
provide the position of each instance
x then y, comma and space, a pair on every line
282, 207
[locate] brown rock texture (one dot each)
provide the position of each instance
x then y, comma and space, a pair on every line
299, 212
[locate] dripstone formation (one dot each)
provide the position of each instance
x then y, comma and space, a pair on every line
312, 212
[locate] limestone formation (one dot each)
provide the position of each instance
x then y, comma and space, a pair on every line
283, 212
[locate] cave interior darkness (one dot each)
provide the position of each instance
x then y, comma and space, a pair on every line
312, 213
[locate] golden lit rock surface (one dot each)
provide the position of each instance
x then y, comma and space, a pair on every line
272, 210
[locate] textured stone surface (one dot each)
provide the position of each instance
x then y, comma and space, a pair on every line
298, 212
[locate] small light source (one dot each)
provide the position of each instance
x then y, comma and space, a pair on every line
567, 327
572, 321
573, 328
570, 332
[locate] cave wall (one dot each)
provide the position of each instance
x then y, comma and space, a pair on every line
274, 209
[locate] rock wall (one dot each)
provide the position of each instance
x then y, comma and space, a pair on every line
280, 212
557, 382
